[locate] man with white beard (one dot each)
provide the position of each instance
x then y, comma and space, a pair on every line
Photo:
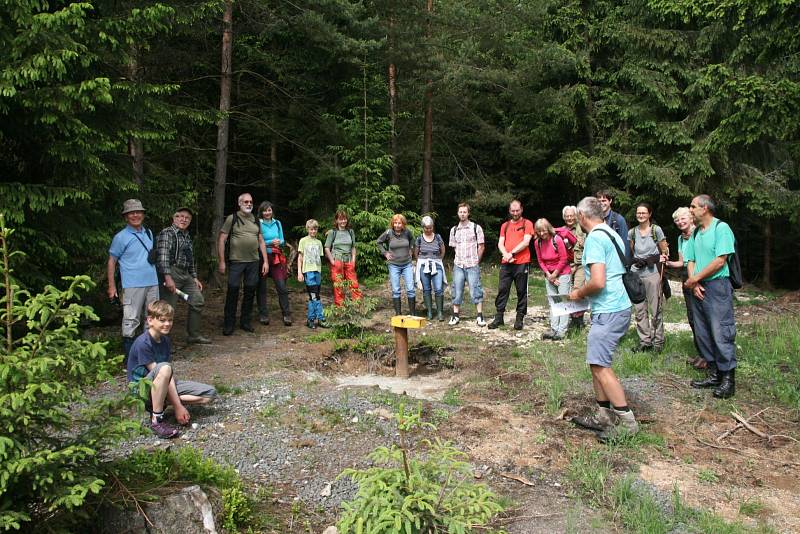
243, 234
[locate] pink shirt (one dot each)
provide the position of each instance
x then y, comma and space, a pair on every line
549, 259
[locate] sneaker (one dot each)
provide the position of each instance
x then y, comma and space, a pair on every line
287, 321
454, 320
263, 320
479, 321
599, 421
322, 323
549, 334
311, 324
164, 430
557, 337
497, 321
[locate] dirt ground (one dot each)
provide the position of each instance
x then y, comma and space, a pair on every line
522, 454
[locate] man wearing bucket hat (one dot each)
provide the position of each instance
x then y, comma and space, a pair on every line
176, 266
131, 250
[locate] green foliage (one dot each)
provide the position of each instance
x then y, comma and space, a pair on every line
414, 493
237, 508
52, 432
348, 319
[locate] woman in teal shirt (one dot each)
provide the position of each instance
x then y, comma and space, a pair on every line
272, 230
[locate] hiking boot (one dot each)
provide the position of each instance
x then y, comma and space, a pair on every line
711, 380
600, 420
454, 320
518, 322
164, 430
287, 320
311, 324
479, 321
322, 323
248, 328
626, 425
227, 331
550, 334
497, 321
727, 386
264, 319
557, 337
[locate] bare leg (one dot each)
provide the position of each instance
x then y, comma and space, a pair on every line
604, 380
160, 389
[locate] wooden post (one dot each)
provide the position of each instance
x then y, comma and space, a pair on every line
401, 351
401, 324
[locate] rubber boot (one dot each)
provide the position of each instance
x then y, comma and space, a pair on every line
440, 307
426, 297
727, 386
711, 380
397, 306
412, 306
518, 322
193, 328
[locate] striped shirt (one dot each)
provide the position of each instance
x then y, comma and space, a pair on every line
429, 250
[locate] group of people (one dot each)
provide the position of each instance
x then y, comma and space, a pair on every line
585, 258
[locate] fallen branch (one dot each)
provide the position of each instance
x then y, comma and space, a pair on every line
130, 494
739, 424
748, 426
517, 478
739, 451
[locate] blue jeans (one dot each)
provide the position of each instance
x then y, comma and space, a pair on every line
313, 280
473, 277
407, 273
714, 324
436, 280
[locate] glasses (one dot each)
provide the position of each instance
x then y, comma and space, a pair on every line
247, 201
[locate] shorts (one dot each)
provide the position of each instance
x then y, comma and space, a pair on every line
604, 335
184, 387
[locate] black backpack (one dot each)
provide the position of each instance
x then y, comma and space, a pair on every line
632, 281
734, 265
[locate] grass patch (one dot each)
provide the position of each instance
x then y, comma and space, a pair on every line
452, 397
768, 360
752, 507
225, 389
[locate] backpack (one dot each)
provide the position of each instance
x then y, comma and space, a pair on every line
734, 265
524, 220
538, 244
634, 286
349, 231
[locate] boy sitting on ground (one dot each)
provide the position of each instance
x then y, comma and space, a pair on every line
149, 358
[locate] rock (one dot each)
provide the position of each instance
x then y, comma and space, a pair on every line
331, 530
188, 511
326, 491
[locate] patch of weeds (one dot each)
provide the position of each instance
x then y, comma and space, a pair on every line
589, 471
553, 385
452, 397
386, 398
325, 335
524, 408
225, 389
769, 362
269, 413
237, 509
626, 442
439, 416
751, 507
638, 510
369, 343
707, 476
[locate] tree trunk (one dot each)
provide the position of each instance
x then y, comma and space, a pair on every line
220, 174
393, 103
273, 171
135, 145
427, 173
767, 267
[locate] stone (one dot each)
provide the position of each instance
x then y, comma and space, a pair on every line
187, 511
331, 530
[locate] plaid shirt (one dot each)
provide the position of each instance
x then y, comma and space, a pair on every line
465, 239
174, 247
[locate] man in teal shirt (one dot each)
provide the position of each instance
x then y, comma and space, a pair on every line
715, 327
611, 317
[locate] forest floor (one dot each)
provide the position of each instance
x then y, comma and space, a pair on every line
297, 407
